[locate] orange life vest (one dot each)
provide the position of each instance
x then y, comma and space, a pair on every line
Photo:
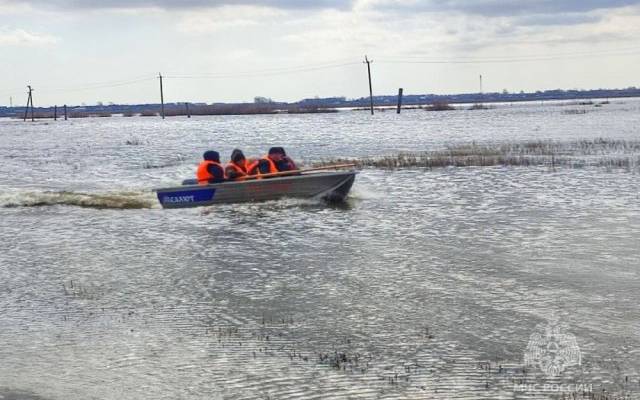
254, 170
203, 174
241, 169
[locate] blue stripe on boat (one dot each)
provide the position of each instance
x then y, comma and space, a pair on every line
187, 196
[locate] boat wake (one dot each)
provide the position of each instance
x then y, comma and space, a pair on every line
114, 200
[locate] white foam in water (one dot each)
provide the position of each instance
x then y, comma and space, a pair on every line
115, 200
365, 188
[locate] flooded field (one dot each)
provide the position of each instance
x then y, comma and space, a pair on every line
432, 281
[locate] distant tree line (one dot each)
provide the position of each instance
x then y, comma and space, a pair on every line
504, 96
265, 105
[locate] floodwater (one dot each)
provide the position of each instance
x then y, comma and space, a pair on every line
425, 284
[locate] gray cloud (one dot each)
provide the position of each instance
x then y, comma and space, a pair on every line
521, 12
494, 8
478, 7
556, 19
187, 4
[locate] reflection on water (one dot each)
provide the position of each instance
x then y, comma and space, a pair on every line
426, 284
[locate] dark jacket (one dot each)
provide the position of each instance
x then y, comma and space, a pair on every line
217, 172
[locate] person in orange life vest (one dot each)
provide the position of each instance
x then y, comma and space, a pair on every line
276, 161
210, 170
237, 168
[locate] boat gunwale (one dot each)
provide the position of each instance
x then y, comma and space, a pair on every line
268, 180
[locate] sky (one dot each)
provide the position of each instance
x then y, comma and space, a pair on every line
74, 52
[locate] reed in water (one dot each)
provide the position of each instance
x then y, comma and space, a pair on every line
599, 152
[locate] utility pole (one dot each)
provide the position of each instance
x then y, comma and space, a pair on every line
65, 112
31, 97
26, 108
29, 102
368, 62
481, 94
161, 97
11, 101
55, 113
399, 100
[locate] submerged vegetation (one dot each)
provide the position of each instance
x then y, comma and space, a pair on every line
480, 106
600, 152
244, 109
573, 111
182, 110
439, 106
191, 109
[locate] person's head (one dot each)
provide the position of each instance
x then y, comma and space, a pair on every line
211, 155
237, 156
277, 153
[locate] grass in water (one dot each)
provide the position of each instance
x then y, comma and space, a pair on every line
600, 152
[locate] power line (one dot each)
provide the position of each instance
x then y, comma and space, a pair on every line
496, 60
250, 74
103, 85
245, 74
284, 69
406, 59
